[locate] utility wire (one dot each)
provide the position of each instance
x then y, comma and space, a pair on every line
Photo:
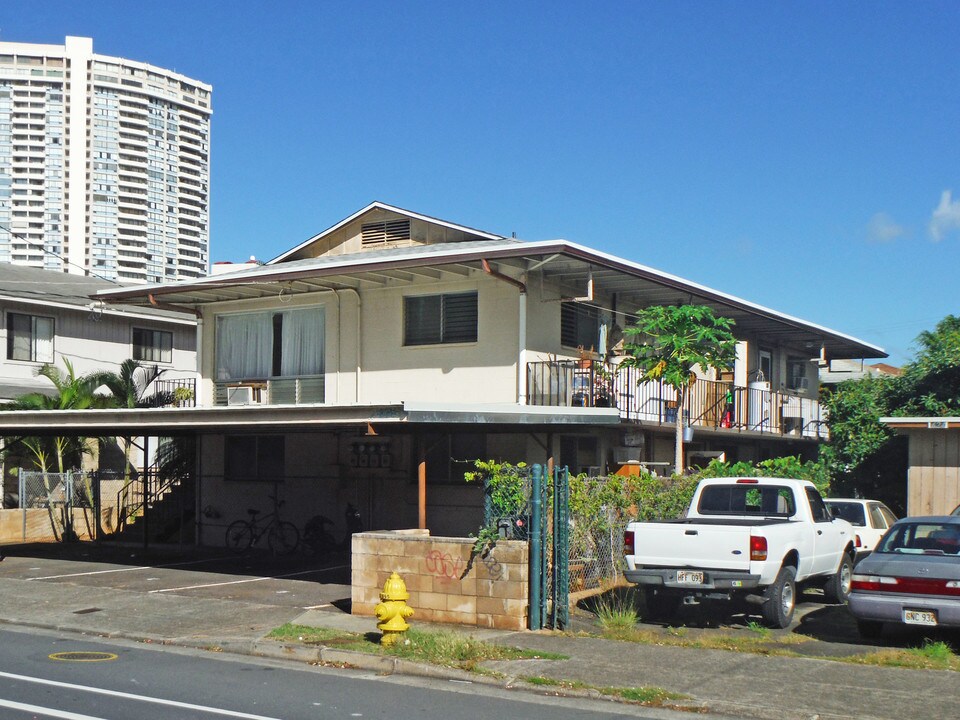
42, 247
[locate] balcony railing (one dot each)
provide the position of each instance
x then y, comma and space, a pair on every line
709, 403
181, 392
275, 391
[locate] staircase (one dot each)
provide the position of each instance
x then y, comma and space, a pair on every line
167, 515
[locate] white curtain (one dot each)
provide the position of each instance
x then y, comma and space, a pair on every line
302, 343
43, 336
244, 346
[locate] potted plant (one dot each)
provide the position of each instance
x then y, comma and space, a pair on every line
602, 386
585, 357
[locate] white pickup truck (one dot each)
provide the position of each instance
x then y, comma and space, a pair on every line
753, 538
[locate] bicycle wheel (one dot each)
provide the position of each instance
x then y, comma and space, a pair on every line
283, 538
239, 536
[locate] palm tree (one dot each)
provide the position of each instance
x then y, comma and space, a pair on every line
71, 392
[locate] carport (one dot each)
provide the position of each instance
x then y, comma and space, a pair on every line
379, 456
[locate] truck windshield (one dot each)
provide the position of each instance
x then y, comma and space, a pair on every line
761, 501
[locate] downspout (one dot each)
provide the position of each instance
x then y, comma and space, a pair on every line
359, 343
522, 329
198, 361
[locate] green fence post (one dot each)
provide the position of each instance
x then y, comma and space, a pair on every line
561, 549
536, 550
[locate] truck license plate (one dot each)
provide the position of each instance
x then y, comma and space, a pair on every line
919, 617
686, 577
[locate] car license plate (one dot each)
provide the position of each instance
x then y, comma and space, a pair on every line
919, 617
686, 577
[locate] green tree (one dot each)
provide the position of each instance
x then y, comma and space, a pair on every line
667, 343
863, 455
930, 385
70, 392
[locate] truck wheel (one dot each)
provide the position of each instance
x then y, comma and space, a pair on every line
869, 629
661, 604
837, 589
780, 599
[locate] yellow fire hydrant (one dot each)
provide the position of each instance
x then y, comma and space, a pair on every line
393, 610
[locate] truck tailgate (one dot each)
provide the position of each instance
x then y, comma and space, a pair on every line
692, 545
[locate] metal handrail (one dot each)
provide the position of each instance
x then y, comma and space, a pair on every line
591, 383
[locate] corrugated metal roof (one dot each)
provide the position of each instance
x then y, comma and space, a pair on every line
28, 284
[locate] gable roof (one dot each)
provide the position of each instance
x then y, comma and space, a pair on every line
561, 261
377, 205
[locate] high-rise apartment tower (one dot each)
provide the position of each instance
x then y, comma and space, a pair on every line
104, 164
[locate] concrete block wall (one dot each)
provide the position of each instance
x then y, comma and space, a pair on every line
446, 583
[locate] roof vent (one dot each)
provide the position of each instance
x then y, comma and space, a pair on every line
377, 233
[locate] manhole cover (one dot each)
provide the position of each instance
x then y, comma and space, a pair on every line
82, 656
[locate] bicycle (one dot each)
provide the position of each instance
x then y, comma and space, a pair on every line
282, 536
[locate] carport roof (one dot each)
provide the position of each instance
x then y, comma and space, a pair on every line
565, 264
264, 418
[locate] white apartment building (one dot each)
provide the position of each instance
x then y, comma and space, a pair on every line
104, 164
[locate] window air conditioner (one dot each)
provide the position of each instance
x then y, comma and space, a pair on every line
242, 395
626, 455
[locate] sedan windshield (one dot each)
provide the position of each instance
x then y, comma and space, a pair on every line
922, 537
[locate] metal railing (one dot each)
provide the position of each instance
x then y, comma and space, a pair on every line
275, 391
709, 403
182, 392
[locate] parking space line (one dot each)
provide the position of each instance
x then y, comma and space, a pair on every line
126, 569
247, 580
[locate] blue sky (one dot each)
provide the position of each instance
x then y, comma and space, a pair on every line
803, 156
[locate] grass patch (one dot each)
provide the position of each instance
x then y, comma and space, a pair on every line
450, 649
457, 650
312, 635
930, 656
617, 610
644, 695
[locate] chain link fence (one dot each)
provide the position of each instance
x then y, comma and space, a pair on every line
596, 548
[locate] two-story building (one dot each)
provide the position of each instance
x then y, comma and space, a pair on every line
371, 363
48, 318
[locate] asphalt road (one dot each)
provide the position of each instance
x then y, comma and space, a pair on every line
49, 675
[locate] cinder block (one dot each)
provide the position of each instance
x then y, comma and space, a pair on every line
461, 604
364, 562
491, 606
390, 547
506, 622
432, 601
365, 578
509, 589
485, 588
362, 608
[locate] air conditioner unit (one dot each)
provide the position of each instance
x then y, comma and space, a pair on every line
242, 395
625, 455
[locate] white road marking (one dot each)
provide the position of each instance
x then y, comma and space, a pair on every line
46, 712
126, 569
245, 580
126, 696
317, 607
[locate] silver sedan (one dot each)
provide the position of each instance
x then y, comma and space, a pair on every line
912, 578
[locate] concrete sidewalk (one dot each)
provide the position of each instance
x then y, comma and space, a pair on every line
720, 682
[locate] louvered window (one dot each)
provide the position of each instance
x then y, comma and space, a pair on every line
377, 233
436, 319
579, 325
